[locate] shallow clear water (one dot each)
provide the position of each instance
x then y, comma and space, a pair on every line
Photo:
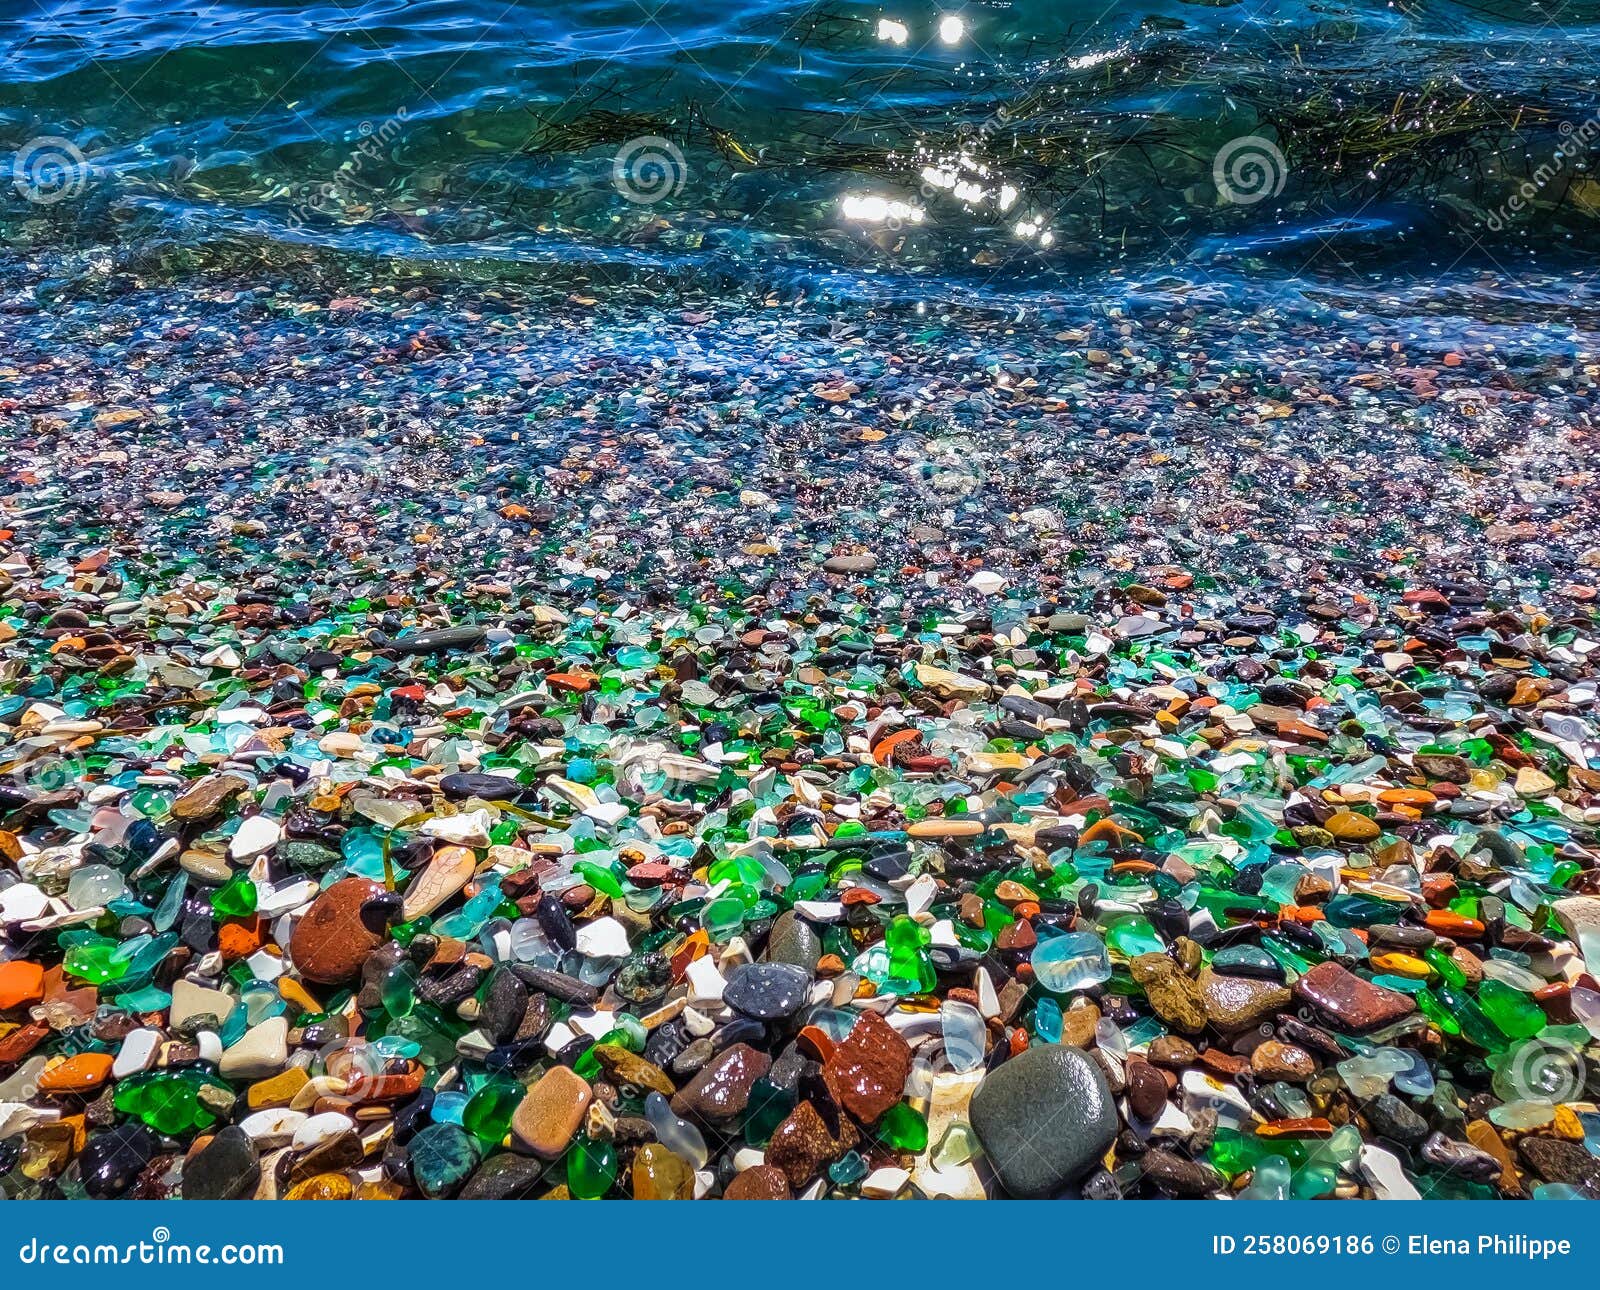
789, 146
1231, 284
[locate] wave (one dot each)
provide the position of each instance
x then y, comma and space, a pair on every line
989, 142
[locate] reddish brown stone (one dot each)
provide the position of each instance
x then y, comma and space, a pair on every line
1018, 937
720, 1090
1351, 1003
22, 1041
1147, 1090
802, 1145
550, 1114
1228, 1065
1275, 1060
867, 1072
764, 1182
332, 942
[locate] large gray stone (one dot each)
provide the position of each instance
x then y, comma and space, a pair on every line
767, 991
1045, 1118
227, 1168
793, 941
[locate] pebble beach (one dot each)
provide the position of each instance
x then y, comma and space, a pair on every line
486, 737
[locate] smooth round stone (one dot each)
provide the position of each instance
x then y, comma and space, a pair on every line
1045, 1118
792, 941
1247, 960
507, 1176
112, 1161
227, 1168
1147, 1090
767, 991
491, 788
443, 1157
332, 941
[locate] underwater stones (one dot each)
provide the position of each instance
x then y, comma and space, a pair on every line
1044, 1118
812, 853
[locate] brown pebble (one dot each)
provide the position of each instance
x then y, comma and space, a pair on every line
803, 1144
1352, 1003
867, 1070
332, 941
1173, 1052
551, 1112
720, 1090
1147, 1090
764, 1182
1275, 1060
